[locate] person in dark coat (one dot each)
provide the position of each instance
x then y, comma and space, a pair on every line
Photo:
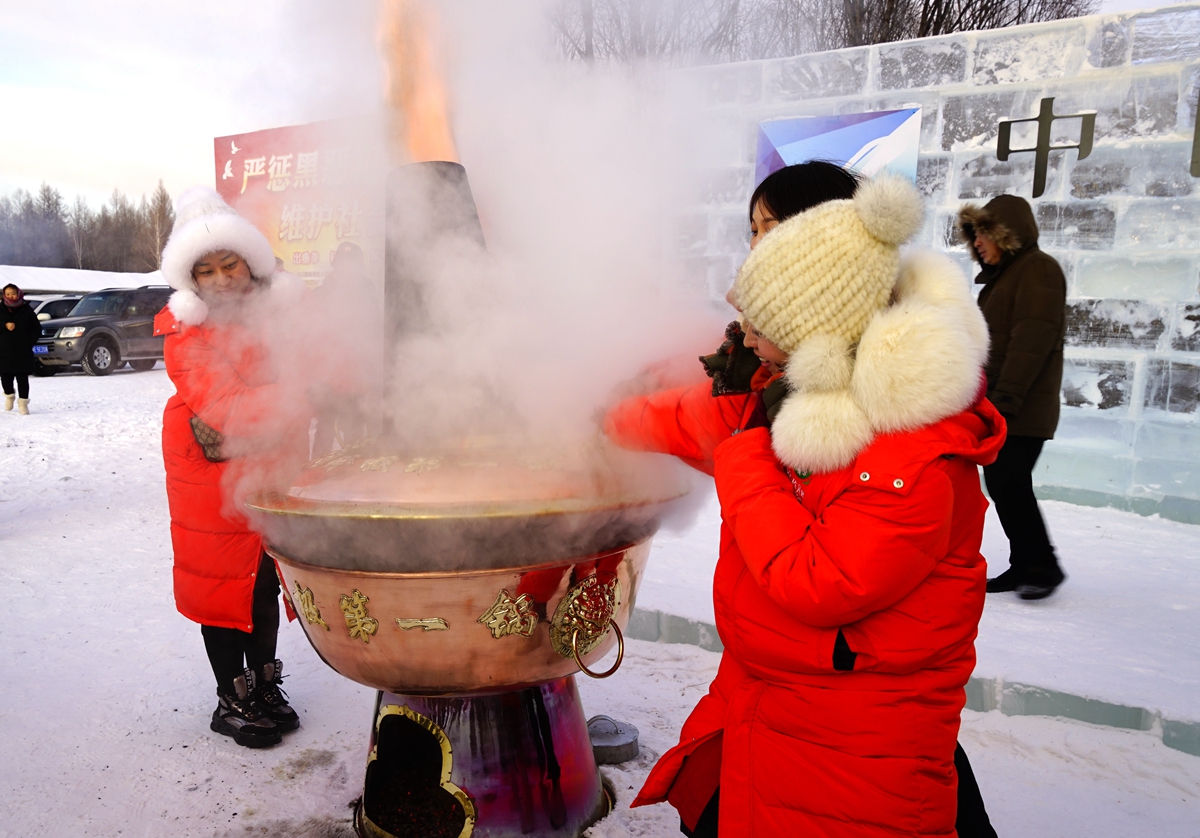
19, 331
1024, 302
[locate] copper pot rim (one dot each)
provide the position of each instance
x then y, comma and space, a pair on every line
451, 574
282, 505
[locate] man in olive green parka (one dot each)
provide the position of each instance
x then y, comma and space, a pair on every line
1024, 302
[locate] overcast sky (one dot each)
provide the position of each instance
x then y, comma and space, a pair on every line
117, 94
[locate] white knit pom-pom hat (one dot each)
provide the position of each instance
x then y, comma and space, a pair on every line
204, 223
829, 269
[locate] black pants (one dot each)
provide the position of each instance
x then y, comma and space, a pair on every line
22, 384
230, 651
971, 821
1010, 483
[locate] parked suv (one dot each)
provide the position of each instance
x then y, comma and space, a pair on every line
104, 330
54, 307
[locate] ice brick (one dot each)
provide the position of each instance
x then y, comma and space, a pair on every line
1156, 170
1126, 106
1108, 431
1109, 44
1115, 323
1089, 225
1192, 97
825, 74
1172, 386
1166, 35
929, 63
948, 232
1161, 224
721, 187
1047, 53
1187, 325
1096, 385
740, 85
985, 176
1176, 478
933, 174
732, 234
972, 121
1134, 278
720, 273
1168, 440
1080, 468
691, 234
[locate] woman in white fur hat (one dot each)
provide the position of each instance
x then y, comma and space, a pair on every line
221, 428
850, 582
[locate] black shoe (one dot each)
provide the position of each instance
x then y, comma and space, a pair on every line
237, 715
1039, 584
271, 698
1007, 581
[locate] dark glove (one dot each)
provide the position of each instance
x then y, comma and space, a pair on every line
733, 365
755, 415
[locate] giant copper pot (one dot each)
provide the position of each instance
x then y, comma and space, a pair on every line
468, 569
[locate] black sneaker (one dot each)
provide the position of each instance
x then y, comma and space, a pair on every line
239, 716
272, 699
1007, 581
1039, 584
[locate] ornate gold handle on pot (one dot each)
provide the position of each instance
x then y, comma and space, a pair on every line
620, 652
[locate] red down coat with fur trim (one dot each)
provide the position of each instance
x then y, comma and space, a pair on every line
887, 551
220, 375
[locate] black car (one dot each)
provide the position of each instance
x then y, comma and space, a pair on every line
104, 330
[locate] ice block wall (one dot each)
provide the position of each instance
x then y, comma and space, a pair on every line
1123, 223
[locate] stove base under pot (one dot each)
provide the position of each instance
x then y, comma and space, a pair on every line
515, 763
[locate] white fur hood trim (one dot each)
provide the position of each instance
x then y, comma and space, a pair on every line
918, 362
204, 223
283, 291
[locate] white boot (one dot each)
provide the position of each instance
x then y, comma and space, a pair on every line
8, 400
23, 406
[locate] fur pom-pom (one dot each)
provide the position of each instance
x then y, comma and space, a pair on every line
920, 360
198, 201
890, 208
820, 364
820, 432
188, 308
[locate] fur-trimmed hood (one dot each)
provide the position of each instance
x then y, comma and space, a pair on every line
919, 361
204, 223
1007, 220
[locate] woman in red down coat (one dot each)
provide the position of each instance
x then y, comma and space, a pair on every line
222, 432
850, 584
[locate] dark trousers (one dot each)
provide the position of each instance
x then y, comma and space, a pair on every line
231, 651
1010, 483
22, 384
971, 822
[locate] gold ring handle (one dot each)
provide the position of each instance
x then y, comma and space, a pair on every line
620, 652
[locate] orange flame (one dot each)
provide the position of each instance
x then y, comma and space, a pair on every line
420, 109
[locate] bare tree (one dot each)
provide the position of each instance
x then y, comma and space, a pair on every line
81, 225
158, 219
710, 31
42, 230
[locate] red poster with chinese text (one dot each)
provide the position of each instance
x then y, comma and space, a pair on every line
306, 188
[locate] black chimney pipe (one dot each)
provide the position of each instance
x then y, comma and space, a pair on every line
430, 216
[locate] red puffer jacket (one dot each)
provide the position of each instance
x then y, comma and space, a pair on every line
847, 601
220, 375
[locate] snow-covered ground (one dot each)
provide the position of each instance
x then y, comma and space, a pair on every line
107, 692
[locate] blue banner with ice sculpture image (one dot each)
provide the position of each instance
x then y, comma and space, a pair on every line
865, 142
